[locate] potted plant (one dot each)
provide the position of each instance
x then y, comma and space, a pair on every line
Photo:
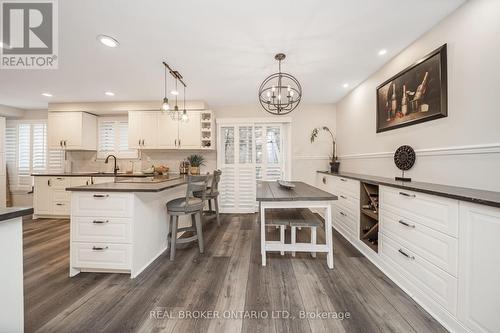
334, 163
195, 161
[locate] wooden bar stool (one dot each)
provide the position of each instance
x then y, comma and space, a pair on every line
189, 205
212, 193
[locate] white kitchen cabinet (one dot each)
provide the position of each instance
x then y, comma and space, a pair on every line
72, 131
479, 272
168, 132
50, 198
149, 129
157, 130
134, 130
190, 132
42, 196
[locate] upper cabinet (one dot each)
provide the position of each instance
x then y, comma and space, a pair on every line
157, 130
72, 131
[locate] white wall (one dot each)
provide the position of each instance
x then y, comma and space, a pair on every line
306, 157
472, 34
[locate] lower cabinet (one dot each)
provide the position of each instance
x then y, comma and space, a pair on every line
50, 198
442, 252
479, 268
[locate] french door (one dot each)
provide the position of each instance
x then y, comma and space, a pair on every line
247, 153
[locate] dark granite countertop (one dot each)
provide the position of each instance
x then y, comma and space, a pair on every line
483, 197
13, 212
151, 184
88, 174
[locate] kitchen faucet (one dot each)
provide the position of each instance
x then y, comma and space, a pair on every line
115, 168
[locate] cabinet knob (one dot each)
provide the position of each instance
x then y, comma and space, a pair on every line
100, 221
101, 195
324, 180
99, 248
342, 179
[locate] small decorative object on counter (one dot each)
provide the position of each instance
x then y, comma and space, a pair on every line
195, 161
404, 158
334, 164
161, 169
184, 168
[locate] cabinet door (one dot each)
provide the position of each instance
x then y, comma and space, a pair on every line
168, 132
190, 132
73, 129
55, 129
42, 195
134, 129
479, 272
149, 129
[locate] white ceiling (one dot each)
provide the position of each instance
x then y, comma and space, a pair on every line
223, 48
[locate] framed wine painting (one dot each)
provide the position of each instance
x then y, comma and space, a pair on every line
416, 94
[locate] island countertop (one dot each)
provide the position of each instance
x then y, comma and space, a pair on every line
150, 184
13, 212
88, 174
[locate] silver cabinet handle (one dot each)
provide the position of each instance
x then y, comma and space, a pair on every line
175, 143
100, 221
99, 248
60, 143
65, 143
406, 254
343, 196
342, 213
342, 179
101, 195
139, 142
60, 204
179, 142
324, 180
407, 195
48, 182
406, 224
142, 142
59, 178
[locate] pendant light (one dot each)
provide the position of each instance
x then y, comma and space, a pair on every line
184, 116
164, 105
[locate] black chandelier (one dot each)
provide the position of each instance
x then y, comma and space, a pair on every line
280, 93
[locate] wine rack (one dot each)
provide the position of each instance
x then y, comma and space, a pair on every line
369, 207
207, 132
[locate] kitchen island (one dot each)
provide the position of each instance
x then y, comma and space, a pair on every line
121, 227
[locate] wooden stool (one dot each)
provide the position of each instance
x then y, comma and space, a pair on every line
188, 205
313, 224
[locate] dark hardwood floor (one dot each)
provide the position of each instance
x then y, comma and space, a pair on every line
227, 280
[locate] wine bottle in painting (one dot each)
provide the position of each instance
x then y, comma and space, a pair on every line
394, 101
419, 94
404, 102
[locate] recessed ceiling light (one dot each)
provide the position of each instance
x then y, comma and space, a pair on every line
382, 52
109, 93
47, 94
345, 85
174, 92
107, 40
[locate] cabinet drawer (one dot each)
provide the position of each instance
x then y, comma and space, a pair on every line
61, 195
344, 219
102, 204
98, 229
59, 183
348, 186
432, 211
101, 255
438, 248
436, 283
61, 208
348, 204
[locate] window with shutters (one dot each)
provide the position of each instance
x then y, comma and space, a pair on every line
248, 153
113, 138
26, 152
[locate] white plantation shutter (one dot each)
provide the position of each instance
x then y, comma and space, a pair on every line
26, 152
113, 138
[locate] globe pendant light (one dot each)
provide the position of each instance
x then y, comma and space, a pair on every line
280, 93
164, 105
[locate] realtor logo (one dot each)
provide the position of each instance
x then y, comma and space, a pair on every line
28, 34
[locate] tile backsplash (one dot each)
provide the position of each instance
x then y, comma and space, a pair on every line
83, 161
